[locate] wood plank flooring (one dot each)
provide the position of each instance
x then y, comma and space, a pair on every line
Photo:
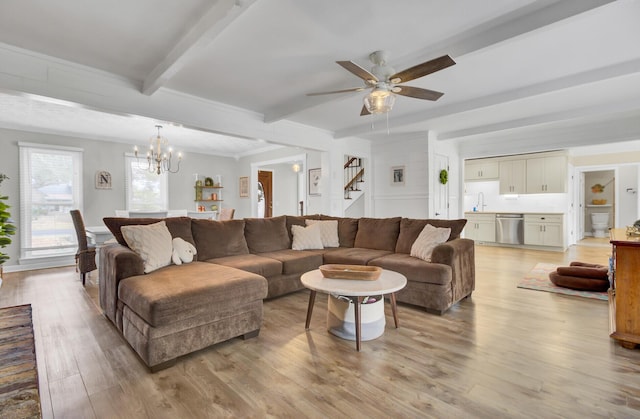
505, 352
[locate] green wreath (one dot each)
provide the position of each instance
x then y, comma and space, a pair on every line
444, 176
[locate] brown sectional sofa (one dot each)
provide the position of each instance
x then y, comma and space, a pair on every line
179, 309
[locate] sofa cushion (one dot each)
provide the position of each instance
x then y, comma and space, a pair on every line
352, 255
152, 242
178, 226
216, 239
266, 234
328, 232
347, 229
179, 292
410, 229
428, 239
378, 233
297, 220
266, 267
295, 261
305, 238
416, 270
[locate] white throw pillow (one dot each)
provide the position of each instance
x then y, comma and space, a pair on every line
428, 239
328, 231
152, 242
305, 238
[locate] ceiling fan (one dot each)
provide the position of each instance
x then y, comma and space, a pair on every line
384, 82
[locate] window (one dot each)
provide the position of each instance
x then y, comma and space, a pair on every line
50, 186
146, 191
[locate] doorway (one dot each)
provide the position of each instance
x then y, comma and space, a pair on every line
288, 182
596, 191
265, 188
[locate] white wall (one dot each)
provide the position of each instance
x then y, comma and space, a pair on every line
408, 200
285, 187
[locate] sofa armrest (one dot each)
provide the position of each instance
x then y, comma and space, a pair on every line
460, 255
117, 262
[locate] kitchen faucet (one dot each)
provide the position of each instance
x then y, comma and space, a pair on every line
481, 207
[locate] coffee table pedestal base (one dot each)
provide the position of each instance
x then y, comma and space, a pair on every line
341, 318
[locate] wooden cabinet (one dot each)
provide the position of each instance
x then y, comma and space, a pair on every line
546, 175
481, 169
625, 293
480, 227
544, 230
512, 176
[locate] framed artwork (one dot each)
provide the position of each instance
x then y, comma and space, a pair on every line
103, 179
314, 181
244, 187
397, 175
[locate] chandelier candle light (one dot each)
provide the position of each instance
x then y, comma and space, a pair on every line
159, 161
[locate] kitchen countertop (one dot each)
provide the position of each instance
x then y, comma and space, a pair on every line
513, 212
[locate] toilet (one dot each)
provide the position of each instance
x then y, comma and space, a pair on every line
600, 223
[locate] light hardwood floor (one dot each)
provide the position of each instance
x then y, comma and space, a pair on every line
505, 352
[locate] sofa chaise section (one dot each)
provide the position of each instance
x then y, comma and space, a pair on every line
180, 309
176, 309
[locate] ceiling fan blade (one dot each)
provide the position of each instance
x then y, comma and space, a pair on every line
423, 69
353, 89
364, 111
358, 71
417, 92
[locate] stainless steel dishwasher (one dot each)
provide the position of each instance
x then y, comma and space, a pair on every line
510, 228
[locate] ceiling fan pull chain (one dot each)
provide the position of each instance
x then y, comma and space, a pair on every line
387, 122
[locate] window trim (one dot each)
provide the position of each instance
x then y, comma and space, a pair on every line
77, 155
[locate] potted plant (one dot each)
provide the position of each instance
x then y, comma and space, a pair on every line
6, 225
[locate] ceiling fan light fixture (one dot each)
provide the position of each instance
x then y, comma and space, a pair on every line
379, 101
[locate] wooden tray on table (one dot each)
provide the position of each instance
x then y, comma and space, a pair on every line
365, 273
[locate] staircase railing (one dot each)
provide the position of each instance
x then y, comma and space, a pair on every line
353, 175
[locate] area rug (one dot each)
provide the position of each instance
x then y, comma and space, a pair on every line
19, 397
538, 279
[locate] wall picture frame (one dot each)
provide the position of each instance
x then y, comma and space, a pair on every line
315, 176
244, 187
103, 179
397, 175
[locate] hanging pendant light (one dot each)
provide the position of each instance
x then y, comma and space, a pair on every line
380, 100
160, 155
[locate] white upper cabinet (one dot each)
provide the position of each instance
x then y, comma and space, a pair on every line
513, 177
547, 175
483, 169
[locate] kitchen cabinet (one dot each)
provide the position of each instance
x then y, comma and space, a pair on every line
624, 296
544, 230
480, 227
512, 176
481, 169
546, 175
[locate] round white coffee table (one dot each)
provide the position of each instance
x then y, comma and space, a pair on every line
388, 283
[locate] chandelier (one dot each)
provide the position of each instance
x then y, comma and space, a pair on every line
159, 161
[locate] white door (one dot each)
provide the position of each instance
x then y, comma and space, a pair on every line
440, 191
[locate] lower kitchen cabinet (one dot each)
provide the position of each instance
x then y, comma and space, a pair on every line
544, 230
480, 227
